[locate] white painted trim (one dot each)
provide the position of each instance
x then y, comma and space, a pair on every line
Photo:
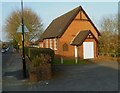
74, 37
76, 60
61, 60
76, 51
55, 43
51, 43
46, 43
42, 45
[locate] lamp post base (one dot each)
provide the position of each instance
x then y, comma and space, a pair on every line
24, 68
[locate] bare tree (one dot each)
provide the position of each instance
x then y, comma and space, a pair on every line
31, 21
109, 36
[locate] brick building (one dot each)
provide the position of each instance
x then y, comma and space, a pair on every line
72, 35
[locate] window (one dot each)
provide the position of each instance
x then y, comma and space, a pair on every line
46, 43
65, 47
51, 43
41, 45
55, 44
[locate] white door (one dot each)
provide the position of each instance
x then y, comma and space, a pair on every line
88, 50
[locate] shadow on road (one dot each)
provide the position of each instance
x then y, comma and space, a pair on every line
101, 76
17, 74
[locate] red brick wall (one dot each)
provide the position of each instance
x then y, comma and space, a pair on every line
69, 53
69, 34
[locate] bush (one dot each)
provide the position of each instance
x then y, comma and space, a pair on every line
4, 46
15, 44
39, 67
37, 52
26, 50
40, 60
42, 72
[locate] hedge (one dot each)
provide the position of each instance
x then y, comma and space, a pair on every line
26, 50
33, 52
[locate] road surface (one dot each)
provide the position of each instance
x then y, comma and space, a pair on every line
11, 68
102, 76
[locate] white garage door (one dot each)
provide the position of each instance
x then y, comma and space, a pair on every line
88, 50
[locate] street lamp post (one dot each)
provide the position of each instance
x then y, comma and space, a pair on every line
23, 29
23, 52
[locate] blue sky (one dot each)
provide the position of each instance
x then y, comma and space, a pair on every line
48, 11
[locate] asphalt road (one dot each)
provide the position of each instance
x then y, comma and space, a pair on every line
11, 61
6, 58
11, 68
102, 76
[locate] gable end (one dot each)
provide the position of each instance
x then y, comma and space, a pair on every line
59, 25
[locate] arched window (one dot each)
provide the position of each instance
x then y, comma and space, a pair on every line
65, 47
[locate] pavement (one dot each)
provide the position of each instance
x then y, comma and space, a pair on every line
101, 76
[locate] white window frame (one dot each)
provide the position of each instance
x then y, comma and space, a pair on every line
51, 43
55, 43
46, 43
41, 45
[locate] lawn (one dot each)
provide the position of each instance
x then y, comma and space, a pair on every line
69, 61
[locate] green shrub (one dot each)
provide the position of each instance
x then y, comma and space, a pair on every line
40, 60
26, 50
33, 52
15, 44
4, 46
39, 55
36, 61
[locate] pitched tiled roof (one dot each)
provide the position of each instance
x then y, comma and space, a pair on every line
80, 37
58, 26
41, 38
